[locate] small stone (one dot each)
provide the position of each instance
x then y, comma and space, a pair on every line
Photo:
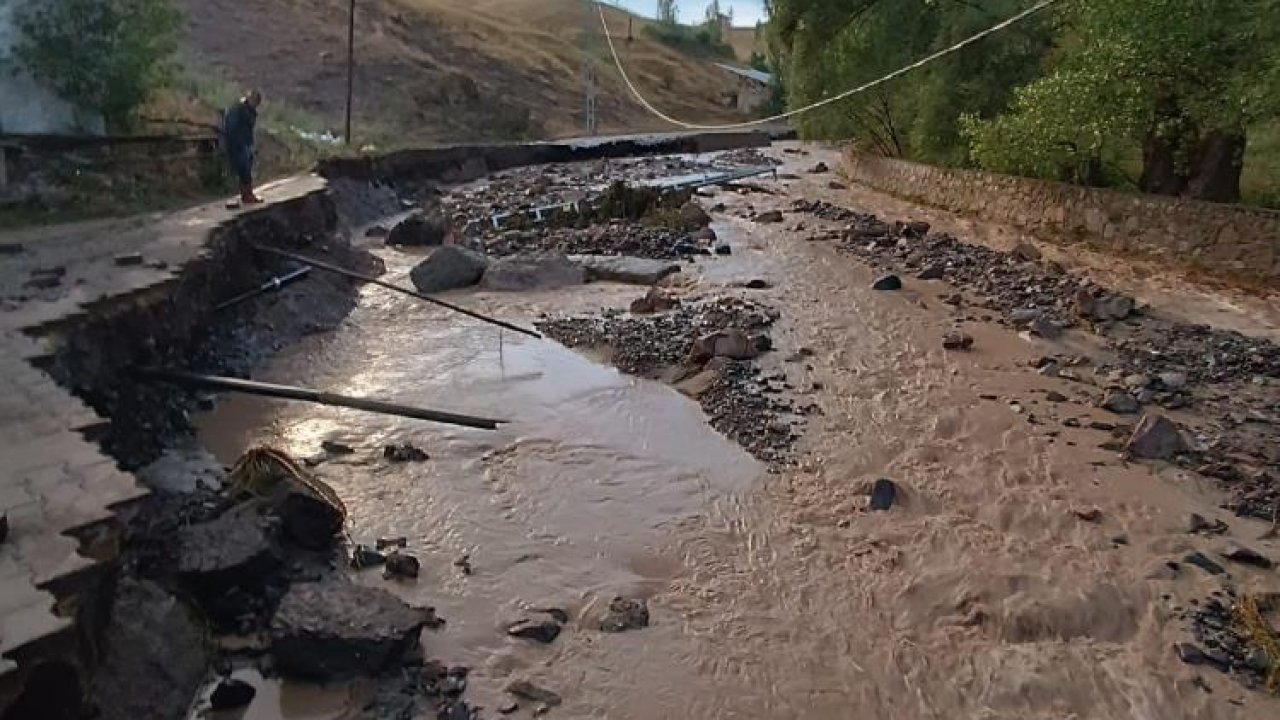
508, 707
1120, 403
770, 216
625, 614
128, 259
956, 340
836, 185
395, 542
1050, 369
1055, 396
888, 282
757, 284
932, 272
526, 690
377, 231
364, 557
4, 527
1103, 426
956, 299
1026, 252
1092, 515
401, 565
1190, 654
1155, 438
1172, 380
404, 452
336, 448
819, 168
464, 564
231, 694
724, 250
1202, 561
883, 494
543, 631
1257, 660
1024, 315
1045, 328
1246, 556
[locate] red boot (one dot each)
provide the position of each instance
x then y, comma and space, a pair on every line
247, 197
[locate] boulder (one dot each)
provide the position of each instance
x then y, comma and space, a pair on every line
306, 519
692, 214
1026, 252
724, 250
1155, 438
916, 229
732, 343
539, 271
623, 269
421, 229
654, 301
1120, 403
404, 452
956, 340
401, 565
705, 234
230, 551
770, 216
887, 282
336, 630
449, 267
625, 614
883, 494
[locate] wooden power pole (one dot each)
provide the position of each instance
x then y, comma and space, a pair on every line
351, 65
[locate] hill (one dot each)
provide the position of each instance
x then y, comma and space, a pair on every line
447, 71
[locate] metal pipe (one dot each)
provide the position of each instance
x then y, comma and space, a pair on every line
274, 283
321, 265
289, 392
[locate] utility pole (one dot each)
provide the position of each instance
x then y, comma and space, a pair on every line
351, 65
591, 19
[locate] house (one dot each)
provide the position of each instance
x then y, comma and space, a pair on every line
754, 88
26, 107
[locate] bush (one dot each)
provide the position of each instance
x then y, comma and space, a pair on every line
106, 56
700, 40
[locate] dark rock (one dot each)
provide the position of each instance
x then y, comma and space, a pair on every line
956, 340
402, 565
1092, 515
1202, 561
395, 542
464, 564
377, 231
932, 272
916, 229
1045, 328
1172, 380
231, 694
1197, 523
540, 271
625, 614
836, 185
336, 448
1246, 556
4, 527
770, 216
758, 284
1120, 402
455, 710
1026, 252
1190, 654
1071, 422
1155, 438
128, 259
623, 269
654, 301
338, 630
705, 234
306, 519
449, 267
954, 299
404, 452
724, 250
883, 494
560, 616
1103, 426
1055, 396
762, 343
526, 690
364, 556
543, 631
420, 229
693, 215
12, 248
230, 551
731, 343
888, 282
820, 168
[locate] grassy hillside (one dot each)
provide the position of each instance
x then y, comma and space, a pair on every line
447, 71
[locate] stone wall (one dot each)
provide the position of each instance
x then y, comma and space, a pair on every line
1232, 241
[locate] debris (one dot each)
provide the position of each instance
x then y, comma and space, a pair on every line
887, 282
337, 630
365, 557
230, 551
401, 565
231, 694
1155, 438
883, 494
128, 259
448, 268
336, 448
1202, 561
404, 452
625, 614
526, 690
1246, 556
769, 216
395, 542
543, 631
956, 340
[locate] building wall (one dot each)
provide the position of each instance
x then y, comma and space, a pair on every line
1232, 241
26, 108
751, 95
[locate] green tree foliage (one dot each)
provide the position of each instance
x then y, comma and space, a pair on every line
1180, 79
668, 12
103, 55
823, 47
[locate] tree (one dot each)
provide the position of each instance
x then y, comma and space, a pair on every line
102, 55
668, 13
1179, 79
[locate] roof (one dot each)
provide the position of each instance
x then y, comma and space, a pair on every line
763, 78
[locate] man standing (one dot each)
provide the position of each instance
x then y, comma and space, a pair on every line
237, 137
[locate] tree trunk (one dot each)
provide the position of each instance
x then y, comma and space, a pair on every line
1160, 173
1216, 170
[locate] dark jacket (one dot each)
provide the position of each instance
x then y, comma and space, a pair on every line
238, 127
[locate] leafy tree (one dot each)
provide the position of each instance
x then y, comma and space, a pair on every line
1181, 79
103, 55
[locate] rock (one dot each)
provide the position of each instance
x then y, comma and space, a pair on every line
1026, 252
836, 185
770, 216
4, 527
1120, 403
932, 272
705, 234
402, 565
539, 271
395, 542
1055, 396
724, 250
336, 448
654, 301
543, 631
1197, 523
377, 231
306, 518
1246, 556
1190, 654
230, 551
508, 707
42, 281
526, 690
818, 169
757, 284
625, 614
883, 494
916, 229
1091, 515
449, 267
1172, 380
558, 614
1163, 571
231, 694
732, 343
622, 269
404, 452
1113, 307
956, 340
128, 259
887, 282
337, 630
420, 229
1045, 328
365, 557
955, 299
1201, 561
693, 215
1155, 438
1022, 316
1100, 425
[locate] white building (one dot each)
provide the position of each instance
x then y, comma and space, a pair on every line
27, 108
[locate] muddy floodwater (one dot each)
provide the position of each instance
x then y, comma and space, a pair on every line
992, 590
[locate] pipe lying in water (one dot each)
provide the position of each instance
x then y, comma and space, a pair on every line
320, 265
289, 392
274, 283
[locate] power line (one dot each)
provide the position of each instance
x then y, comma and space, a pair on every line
821, 103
